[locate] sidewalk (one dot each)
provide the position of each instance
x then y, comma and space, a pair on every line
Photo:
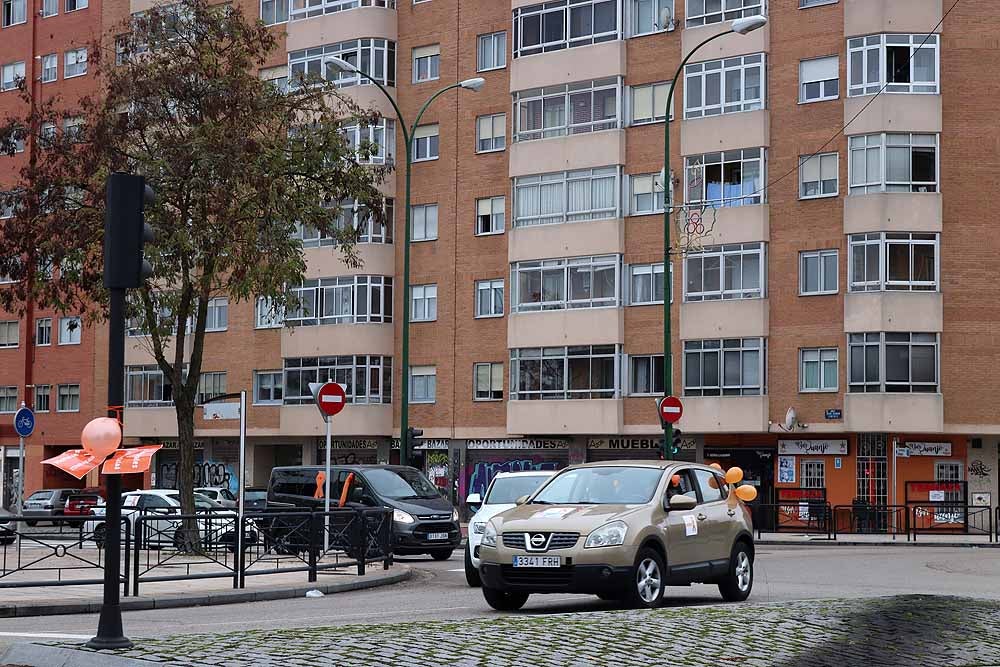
852, 540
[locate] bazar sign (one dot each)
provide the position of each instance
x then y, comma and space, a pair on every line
929, 448
833, 447
518, 443
421, 444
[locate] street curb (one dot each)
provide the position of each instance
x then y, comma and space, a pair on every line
176, 601
40, 655
903, 543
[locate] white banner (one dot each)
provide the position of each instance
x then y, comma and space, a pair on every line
929, 448
813, 447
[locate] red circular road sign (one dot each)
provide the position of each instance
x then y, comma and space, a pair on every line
671, 409
331, 398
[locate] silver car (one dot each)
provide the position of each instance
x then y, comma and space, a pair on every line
8, 528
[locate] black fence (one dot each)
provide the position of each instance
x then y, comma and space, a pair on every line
865, 519
801, 517
951, 519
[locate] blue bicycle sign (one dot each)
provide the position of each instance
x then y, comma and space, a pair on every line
24, 422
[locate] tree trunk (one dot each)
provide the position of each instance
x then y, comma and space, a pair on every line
184, 408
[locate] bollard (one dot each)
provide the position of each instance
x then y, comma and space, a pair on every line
360, 543
313, 545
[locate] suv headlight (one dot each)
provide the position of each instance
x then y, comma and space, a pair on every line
609, 535
399, 516
454, 515
490, 536
478, 527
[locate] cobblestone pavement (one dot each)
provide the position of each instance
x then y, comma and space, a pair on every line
902, 630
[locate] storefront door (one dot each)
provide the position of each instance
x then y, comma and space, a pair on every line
758, 469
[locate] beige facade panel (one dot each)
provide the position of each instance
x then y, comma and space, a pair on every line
736, 224
334, 339
893, 311
573, 239
906, 413
578, 151
377, 259
726, 132
893, 212
340, 27
151, 422
737, 318
893, 113
137, 6
864, 17
584, 417
724, 414
582, 63
555, 328
354, 420
758, 41
139, 350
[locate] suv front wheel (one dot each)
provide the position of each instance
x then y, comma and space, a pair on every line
738, 582
648, 579
504, 601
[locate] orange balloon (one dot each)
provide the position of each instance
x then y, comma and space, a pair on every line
734, 475
713, 482
717, 466
675, 480
101, 436
746, 493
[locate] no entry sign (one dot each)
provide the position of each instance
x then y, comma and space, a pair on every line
330, 397
670, 409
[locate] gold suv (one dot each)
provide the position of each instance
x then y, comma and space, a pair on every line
622, 530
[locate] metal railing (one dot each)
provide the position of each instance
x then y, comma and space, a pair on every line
858, 519
951, 519
807, 517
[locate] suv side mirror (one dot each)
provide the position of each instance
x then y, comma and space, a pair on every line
521, 500
681, 502
474, 499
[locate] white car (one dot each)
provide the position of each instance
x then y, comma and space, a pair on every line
504, 489
219, 494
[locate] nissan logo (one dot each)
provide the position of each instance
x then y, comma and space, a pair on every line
537, 540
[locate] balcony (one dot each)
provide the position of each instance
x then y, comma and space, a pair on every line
897, 413
893, 113
893, 311
747, 129
736, 224
575, 151
734, 318
893, 212
581, 63
724, 414
377, 259
864, 17
337, 339
556, 328
158, 422
758, 41
341, 26
354, 420
584, 417
571, 239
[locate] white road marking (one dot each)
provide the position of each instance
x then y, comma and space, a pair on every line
44, 635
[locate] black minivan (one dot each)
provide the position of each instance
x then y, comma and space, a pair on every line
423, 521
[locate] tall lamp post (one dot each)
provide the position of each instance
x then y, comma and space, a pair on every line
741, 26
474, 85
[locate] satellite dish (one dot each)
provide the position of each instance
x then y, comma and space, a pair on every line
790, 419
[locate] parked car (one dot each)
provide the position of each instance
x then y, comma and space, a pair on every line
8, 528
219, 494
82, 504
46, 505
255, 499
504, 489
424, 522
620, 530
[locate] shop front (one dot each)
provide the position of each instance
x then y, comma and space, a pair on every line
349, 451
636, 448
757, 463
485, 458
167, 459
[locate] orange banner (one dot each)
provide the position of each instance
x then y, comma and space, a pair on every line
131, 460
76, 462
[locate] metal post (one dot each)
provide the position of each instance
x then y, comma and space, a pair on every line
238, 565
404, 417
110, 634
20, 476
326, 491
3, 477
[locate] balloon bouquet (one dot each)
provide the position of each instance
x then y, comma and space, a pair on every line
100, 439
734, 476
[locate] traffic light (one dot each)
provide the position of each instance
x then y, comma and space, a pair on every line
411, 440
126, 231
675, 446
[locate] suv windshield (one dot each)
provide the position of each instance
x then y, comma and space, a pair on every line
401, 483
506, 490
610, 485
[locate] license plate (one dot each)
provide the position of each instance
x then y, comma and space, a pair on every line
537, 561
437, 536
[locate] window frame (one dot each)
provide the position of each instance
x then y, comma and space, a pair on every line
430, 144
558, 102
882, 242
865, 45
653, 86
492, 391
530, 189
523, 15
319, 296
280, 387
658, 196
214, 378
17, 74
652, 362
723, 161
821, 387
726, 254
75, 332
8, 394
881, 341
492, 216
879, 144
277, 13
747, 8
77, 5
40, 326
423, 209
489, 286
12, 13
492, 37
423, 59
723, 68
220, 306
427, 293
378, 53
373, 371
549, 357
69, 396
493, 138
804, 160
660, 6
564, 266
824, 96
703, 349
269, 317
656, 279
809, 481
429, 371
76, 53
8, 326
52, 58
42, 395
820, 256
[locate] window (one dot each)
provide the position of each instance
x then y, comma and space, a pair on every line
818, 369
425, 143
43, 397
274, 11
47, 133
864, 363
50, 8
724, 86
560, 284
579, 372
210, 385
649, 103
350, 216
218, 314
69, 398
730, 178
366, 379
489, 298
76, 63
893, 163
268, 314
646, 284
893, 261
14, 12
491, 133
489, 381
8, 399
818, 272
423, 303
648, 15
490, 216
645, 375
646, 194
813, 475
730, 367
900, 63
303, 9
423, 384
492, 51
706, 12
267, 387
708, 483
819, 79
341, 300
950, 471
13, 74
566, 196
426, 63
50, 68
575, 108
73, 5
815, 3
732, 271
9, 333
819, 176
43, 331
375, 57
372, 144
424, 222
73, 128
911, 361
562, 24
146, 386
69, 330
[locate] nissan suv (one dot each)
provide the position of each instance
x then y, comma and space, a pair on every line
622, 530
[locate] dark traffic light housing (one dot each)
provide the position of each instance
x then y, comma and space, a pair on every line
126, 231
675, 446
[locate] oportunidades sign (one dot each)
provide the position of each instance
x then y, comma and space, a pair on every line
518, 443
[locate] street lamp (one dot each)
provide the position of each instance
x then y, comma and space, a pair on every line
740, 26
475, 84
